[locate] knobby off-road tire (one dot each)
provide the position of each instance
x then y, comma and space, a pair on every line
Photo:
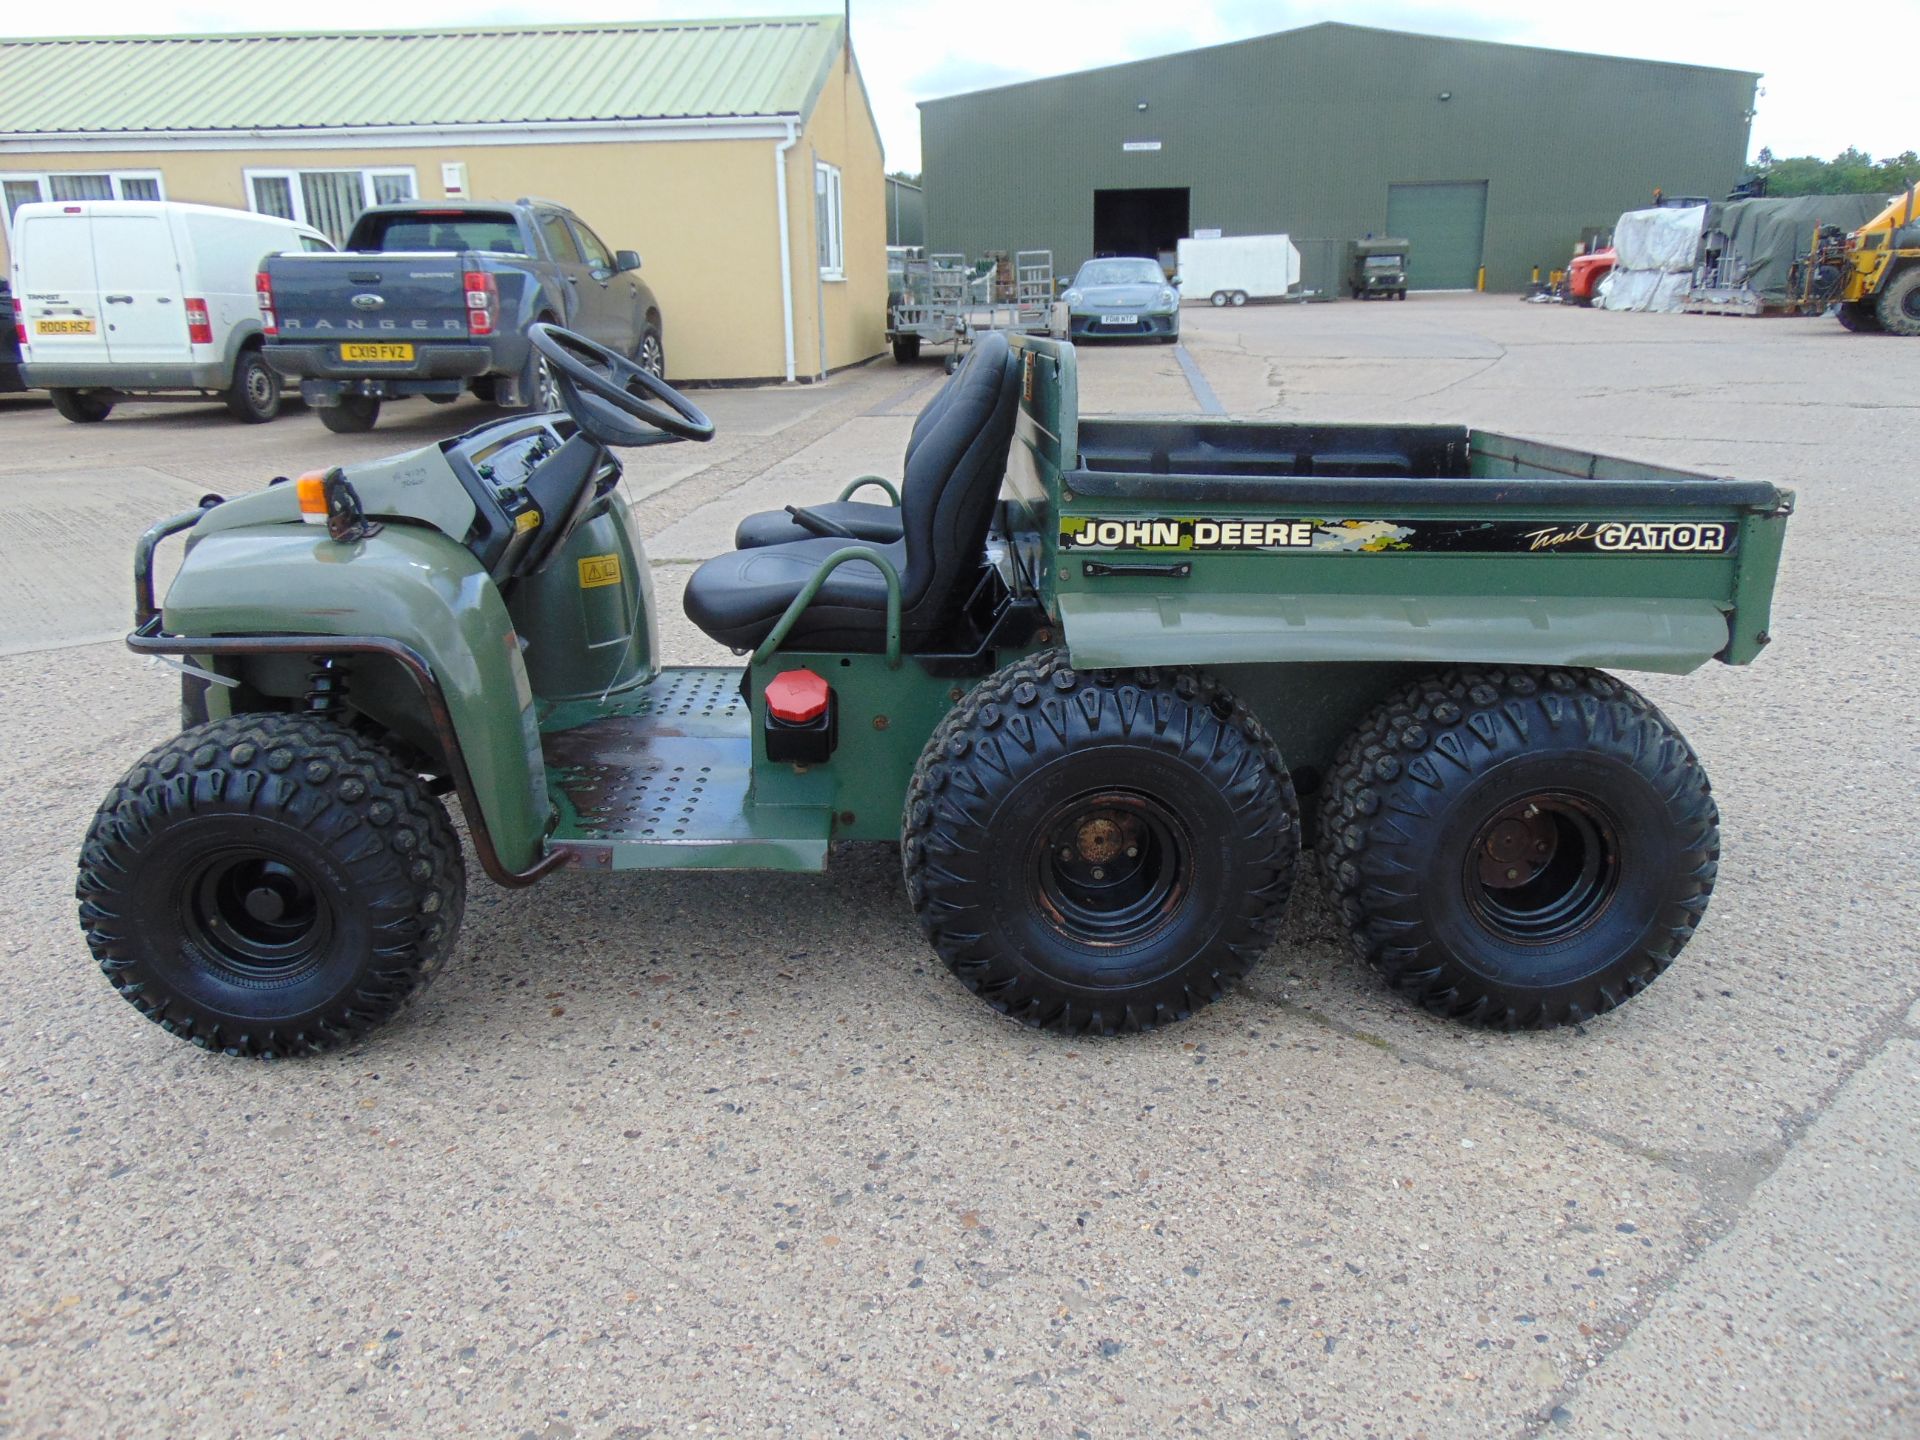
1525, 847
1099, 852
270, 885
1898, 309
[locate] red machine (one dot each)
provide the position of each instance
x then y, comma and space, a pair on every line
1584, 274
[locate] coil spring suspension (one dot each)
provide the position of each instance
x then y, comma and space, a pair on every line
326, 686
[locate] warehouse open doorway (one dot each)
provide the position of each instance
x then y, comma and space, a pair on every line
1140, 222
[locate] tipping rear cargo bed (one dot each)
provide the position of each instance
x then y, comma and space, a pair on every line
1215, 541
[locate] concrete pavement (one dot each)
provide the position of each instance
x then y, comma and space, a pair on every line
732, 1155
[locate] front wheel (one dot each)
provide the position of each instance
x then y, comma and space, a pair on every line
254, 396
82, 407
1099, 852
1239, 297
270, 885
1218, 299
1525, 847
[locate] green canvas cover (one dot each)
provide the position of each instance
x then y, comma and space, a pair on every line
1758, 240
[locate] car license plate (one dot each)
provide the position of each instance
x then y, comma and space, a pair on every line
1119, 319
64, 327
377, 353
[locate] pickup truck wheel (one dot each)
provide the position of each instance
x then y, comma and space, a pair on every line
81, 406
354, 415
1525, 847
270, 885
1898, 310
1099, 853
651, 356
254, 396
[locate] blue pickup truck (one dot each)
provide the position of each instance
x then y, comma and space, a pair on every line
435, 299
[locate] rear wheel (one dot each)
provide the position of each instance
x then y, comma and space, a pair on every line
354, 415
1238, 297
270, 885
83, 407
651, 354
1519, 847
254, 396
1097, 853
1898, 310
906, 349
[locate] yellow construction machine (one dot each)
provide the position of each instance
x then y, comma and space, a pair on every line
1880, 270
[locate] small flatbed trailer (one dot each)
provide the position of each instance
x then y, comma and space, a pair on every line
1081, 670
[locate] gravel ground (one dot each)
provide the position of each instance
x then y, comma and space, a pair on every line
732, 1155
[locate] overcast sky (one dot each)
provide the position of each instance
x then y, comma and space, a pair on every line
1826, 87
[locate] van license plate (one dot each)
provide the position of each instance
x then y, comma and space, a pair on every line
388, 353
1119, 319
63, 327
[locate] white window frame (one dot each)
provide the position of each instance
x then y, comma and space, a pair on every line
832, 242
44, 179
291, 175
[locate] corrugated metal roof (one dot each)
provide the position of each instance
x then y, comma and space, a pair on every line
466, 76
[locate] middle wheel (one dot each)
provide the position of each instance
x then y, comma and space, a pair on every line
1097, 853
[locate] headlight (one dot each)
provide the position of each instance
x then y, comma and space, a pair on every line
1072, 297
1166, 299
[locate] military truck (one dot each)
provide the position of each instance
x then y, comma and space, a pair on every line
1377, 267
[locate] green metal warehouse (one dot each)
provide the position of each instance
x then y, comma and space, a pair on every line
1479, 153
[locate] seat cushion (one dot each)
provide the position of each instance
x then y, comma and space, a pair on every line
738, 595
868, 522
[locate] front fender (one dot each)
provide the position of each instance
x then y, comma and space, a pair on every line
407, 584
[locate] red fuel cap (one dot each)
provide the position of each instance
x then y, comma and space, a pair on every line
796, 696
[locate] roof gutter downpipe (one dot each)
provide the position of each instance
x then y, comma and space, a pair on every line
786, 236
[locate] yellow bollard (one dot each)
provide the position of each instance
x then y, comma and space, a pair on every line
1481, 283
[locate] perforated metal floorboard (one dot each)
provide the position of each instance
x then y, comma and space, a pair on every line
663, 779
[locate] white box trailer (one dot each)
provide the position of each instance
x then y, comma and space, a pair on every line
155, 299
1233, 269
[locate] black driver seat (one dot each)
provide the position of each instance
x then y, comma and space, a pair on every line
952, 481
863, 520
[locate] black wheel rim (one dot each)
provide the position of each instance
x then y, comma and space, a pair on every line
1111, 867
259, 387
1910, 302
256, 916
1543, 868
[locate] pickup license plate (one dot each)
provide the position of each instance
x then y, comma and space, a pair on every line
377, 353
1119, 319
64, 327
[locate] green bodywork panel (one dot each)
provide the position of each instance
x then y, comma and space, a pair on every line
405, 583
1602, 563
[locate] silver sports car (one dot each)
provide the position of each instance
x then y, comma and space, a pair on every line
1122, 296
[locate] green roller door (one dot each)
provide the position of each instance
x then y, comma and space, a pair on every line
1445, 226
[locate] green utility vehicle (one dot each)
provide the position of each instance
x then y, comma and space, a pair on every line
1080, 672
1377, 267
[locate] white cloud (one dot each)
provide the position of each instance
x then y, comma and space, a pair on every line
1822, 93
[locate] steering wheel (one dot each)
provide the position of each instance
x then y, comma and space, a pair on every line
597, 387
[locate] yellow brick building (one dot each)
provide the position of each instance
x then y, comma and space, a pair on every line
739, 157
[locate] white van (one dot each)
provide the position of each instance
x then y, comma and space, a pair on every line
115, 299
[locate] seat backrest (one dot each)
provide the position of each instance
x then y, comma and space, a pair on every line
953, 479
931, 412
